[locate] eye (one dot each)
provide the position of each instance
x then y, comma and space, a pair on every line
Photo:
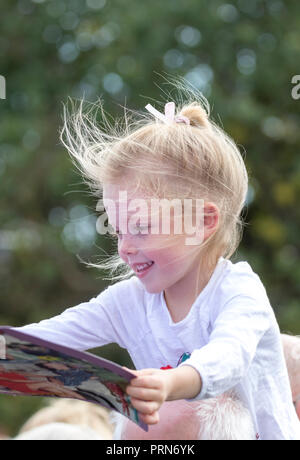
116, 234
142, 230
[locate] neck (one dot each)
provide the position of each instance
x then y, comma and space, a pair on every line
181, 296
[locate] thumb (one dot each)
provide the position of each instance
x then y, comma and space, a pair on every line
130, 370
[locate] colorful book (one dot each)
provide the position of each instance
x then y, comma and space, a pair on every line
30, 366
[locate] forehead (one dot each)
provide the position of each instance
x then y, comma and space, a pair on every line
114, 192
124, 196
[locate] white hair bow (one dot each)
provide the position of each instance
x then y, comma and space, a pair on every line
169, 115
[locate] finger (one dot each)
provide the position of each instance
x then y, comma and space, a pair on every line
146, 381
129, 370
146, 371
150, 419
144, 407
145, 394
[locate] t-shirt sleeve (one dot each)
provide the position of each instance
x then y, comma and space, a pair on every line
88, 325
233, 342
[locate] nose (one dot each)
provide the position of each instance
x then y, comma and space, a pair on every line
126, 246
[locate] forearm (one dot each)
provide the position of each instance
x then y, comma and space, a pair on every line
185, 383
75, 327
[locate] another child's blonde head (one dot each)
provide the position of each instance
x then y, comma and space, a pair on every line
196, 161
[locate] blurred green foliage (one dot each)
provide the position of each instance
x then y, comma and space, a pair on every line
241, 54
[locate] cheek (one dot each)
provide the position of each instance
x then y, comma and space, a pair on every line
163, 249
163, 259
172, 259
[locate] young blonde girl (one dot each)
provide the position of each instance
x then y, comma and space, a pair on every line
198, 327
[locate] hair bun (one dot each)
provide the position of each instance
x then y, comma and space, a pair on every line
197, 115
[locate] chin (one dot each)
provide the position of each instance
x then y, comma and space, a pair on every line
151, 288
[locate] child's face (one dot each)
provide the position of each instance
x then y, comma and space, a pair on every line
170, 257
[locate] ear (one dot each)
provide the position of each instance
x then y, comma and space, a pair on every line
211, 219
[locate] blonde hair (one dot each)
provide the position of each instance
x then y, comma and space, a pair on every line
198, 160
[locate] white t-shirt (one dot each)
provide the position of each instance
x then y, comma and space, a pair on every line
230, 332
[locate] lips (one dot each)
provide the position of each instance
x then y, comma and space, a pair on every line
139, 267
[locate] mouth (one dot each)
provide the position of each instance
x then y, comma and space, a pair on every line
142, 269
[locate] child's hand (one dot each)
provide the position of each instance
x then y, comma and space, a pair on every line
148, 391
152, 387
